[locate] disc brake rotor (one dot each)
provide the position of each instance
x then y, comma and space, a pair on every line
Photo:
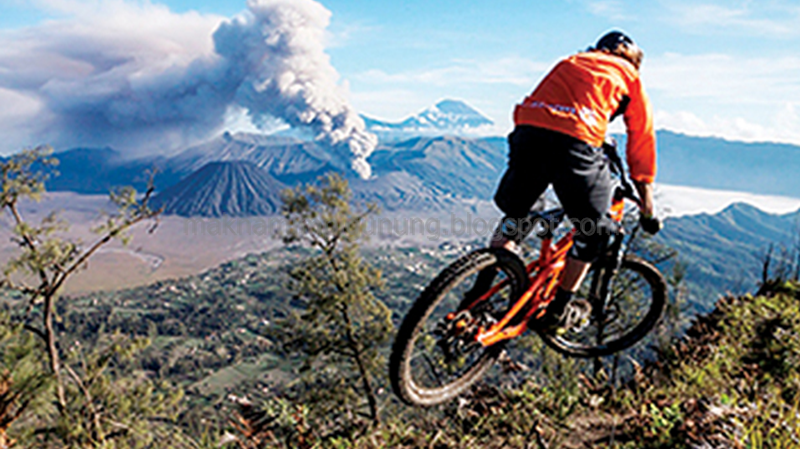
457, 333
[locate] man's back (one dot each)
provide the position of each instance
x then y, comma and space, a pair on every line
582, 93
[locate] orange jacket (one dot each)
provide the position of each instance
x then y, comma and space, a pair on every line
578, 98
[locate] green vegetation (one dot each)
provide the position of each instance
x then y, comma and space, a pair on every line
733, 381
286, 349
339, 327
61, 395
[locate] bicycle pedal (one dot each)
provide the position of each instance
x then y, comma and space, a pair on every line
576, 316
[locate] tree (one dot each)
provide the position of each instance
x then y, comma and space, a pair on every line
123, 408
341, 325
23, 382
92, 406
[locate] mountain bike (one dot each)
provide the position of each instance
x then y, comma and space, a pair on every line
462, 321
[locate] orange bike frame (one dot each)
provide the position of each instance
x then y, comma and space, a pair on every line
547, 269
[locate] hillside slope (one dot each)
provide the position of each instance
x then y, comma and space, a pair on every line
420, 170
733, 379
453, 165
287, 159
724, 252
230, 188
763, 167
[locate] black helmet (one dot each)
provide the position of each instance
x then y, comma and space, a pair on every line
620, 44
611, 40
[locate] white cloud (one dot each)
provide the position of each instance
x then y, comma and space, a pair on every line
18, 115
136, 76
724, 78
17, 107
94, 51
515, 71
772, 19
346, 33
494, 85
132, 24
610, 9
783, 127
390, 104
676, 201
750, 99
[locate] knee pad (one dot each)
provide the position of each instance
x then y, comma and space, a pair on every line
588, 244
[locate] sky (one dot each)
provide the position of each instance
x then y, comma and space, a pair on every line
721, 68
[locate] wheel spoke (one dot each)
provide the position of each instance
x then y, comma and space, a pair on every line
446, 345
636, 298
435, 356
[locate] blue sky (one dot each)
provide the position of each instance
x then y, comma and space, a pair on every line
711, 68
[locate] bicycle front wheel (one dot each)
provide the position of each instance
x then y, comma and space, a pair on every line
435, 356
637, 294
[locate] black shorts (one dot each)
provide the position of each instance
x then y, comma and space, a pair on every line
580, 175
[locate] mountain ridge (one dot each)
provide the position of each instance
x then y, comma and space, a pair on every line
724, 252
428, 171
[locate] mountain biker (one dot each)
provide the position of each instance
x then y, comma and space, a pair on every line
558, 132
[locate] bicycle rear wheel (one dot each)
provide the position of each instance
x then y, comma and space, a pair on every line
637, 294
435, 356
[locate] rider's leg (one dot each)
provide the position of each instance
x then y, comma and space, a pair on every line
522, 184
525, 180
583, 183
571, 278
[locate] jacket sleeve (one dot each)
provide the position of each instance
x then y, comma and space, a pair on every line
641, 148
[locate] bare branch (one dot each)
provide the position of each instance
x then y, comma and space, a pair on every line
89, 401
35, 331
110, 234
27, 240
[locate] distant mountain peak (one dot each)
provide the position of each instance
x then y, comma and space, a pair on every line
456, 107
445, 117
450, 114
744, 209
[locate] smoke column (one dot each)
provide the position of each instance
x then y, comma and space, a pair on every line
138, 77
278, 49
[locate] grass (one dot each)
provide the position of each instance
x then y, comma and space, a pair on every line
732, 382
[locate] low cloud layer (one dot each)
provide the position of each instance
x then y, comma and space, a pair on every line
141, 78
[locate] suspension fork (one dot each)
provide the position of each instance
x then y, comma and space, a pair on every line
606, 268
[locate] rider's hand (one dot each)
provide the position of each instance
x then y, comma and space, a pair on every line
650, 223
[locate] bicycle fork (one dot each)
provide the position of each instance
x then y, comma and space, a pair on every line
600, 291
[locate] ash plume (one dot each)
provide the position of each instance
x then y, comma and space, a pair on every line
139, 77
278, 47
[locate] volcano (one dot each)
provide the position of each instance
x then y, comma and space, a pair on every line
223, 188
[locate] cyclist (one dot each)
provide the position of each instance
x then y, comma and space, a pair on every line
558, 132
